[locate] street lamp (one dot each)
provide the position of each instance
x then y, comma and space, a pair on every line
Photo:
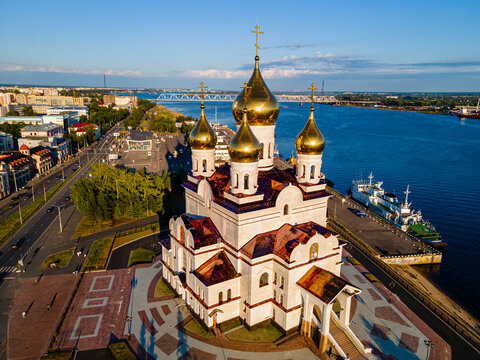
128, 320
59, 216
429, 345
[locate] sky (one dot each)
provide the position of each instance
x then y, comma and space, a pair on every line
351, 45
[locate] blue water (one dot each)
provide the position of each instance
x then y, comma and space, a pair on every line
439, 156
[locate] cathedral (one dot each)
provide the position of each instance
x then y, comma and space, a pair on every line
253, 244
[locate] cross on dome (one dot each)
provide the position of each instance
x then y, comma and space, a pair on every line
313, 88
202, 87
257, 32
245, 87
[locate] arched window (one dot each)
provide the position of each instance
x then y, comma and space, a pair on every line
281, 300
304, 171
281, 285
245, 180
285, 210
204, 165
184, 261
196, 165
269, 150
220, 297
264, 279
312, 172
182, 234
275, 295
275, 278
229, 294
236, 180
313, 251
261, 151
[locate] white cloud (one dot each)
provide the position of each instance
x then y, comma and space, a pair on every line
216, 74
54, 69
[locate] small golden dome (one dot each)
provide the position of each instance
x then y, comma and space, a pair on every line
310, 141
262, 104
244, 146
202, 135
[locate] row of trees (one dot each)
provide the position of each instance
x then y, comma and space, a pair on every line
116, 193
163, 124
13, 129
137, 114
105, 116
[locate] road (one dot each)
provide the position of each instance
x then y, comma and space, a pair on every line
32, 231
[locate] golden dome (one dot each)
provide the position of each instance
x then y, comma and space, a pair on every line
202, 135
310, 141
244, 146
262, 104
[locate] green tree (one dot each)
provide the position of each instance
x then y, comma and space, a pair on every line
13, 113
28, 111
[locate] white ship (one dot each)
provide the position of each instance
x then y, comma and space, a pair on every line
388, 206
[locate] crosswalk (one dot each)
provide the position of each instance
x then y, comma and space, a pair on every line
8, 269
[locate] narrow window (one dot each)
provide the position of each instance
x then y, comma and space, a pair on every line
312, 172
269, 149
313, 251
229, 294
264, 279
184, 261
204, 164
275, 295
236, 180
304, 171
285, 210
281, 286
245, 180
182, 234
261, 151
220, 297
281, 300
275, 278
196, 165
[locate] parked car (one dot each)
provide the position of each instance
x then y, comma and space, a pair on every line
17, 244
50, 209
67, 198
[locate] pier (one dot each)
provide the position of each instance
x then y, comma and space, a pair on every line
376, 235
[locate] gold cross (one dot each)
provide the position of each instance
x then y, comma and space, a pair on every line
245, 87
202, 87
313, 88
257, 32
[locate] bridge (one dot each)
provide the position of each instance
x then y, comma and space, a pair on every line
323, 99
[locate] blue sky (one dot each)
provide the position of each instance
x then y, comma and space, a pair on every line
352, 45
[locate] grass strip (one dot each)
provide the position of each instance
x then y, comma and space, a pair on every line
121, 351
230, 325
264, 334
98, 255
60, 259
161, 289
127, 238
195, 327
140, 256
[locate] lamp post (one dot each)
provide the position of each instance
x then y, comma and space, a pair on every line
59, 216
429, 345
128, 320
20, 212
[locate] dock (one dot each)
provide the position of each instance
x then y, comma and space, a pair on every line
376, 235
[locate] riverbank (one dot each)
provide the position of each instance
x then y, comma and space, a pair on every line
401, 110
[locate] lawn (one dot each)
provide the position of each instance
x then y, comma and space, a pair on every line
121, 351
11, 224
66, 355
264, 334
140, 256
61, 259
231, 325
195, 327
161, 289
88, 226
98, 255
125, 239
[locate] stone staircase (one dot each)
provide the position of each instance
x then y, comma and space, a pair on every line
345, 343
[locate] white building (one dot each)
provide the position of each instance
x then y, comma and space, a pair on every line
253, 243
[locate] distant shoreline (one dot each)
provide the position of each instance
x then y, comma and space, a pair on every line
402, 110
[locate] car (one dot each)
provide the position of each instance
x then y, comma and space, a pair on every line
50, 209
28, 187
67, 198
17, 244
12, 205
361, 214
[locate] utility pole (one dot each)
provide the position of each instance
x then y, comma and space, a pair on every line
33, 193
63, 175
59, 216
20, 213
44, 193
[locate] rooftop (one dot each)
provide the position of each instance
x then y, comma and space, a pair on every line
216, 269
203, 230
140, 135
42, 127
323, 284
283, 241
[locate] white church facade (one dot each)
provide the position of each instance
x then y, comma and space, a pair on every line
253, 244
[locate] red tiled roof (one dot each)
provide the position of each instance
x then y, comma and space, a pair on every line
81, 125
203, 230
270, 184
216, 269
323, 284
283, 241
24, 147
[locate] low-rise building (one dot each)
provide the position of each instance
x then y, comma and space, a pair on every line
18, 168
81, 110
81, 129
139, 140
41, 157
34, 120
42, 130
60, 148
224, 135
66, 119
6, 142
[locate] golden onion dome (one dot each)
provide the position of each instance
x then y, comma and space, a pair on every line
310, 141
262, 104
244, 146
202, 135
